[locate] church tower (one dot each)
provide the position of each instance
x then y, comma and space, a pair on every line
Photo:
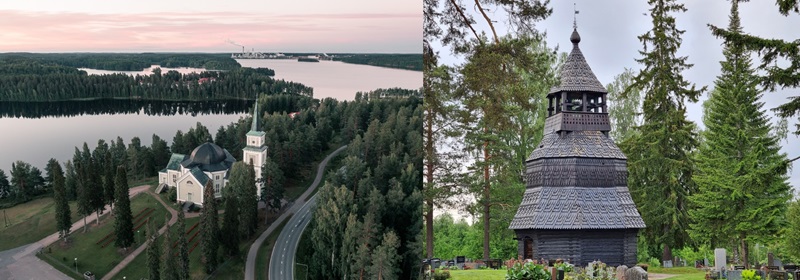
577, 205
255, 153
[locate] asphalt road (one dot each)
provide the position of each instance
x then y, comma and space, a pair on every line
294, 227
283, 254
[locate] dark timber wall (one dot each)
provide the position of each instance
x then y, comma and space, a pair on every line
580, 247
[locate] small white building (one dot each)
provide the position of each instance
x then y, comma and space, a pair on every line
209, 162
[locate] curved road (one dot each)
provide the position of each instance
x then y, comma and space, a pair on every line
283, 265
286, 245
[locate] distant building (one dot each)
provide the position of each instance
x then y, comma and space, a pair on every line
209, 162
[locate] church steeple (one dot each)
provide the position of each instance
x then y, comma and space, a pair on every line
254, 126
579, 101
255, 152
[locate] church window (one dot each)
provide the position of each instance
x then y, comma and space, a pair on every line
217, 177
174, 178
251, 161
216, 188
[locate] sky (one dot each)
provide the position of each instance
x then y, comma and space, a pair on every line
365, 26
609, 31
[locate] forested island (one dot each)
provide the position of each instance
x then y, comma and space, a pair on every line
28, 79
399, 61
132, 61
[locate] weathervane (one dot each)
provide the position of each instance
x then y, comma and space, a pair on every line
575, 17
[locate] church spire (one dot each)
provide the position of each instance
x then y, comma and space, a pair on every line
254, 126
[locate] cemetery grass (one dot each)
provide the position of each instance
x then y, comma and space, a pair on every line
265, 251
680, 273
91, 256
30, 222
478, 274
689, 276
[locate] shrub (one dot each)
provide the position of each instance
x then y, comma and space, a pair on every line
441, 275
749, 274
527, 271
654, 262
594, 271
173, 194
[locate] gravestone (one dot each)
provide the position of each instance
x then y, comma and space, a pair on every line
621, 272
667, 264
735, 275
719, 259
635, 273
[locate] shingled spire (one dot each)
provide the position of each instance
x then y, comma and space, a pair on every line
576, 204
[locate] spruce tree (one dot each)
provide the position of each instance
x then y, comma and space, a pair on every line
63, 220
83, 192
183, 248
5, 187
153, 254
209, 229
123, 219
659, 161
109, 179
772, 51
741, 178
385, 258
169, 264
272, 184
230, 223
243, 187
70, 183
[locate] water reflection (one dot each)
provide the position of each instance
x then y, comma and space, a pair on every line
35, 110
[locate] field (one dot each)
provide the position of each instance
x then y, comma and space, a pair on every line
95, 249
30, 222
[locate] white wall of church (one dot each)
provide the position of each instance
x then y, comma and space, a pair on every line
189, 190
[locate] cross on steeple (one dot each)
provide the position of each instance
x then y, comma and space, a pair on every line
575, 17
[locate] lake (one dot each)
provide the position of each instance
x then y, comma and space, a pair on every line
338, 79
36, 140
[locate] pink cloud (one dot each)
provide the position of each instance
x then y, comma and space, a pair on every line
55, 32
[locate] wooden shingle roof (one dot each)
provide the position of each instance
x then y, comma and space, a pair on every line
576, 75
577, 208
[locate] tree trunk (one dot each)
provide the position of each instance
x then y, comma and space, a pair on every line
84, 223
429, 229
486, 201
98, 217
429, 151
745, 252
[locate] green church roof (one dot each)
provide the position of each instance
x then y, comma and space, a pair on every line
175, 161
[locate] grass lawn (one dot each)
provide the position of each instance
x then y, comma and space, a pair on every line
265, 251
91, 256
30, 222
478, 274
682, 273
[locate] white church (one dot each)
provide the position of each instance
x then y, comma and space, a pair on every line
209, 162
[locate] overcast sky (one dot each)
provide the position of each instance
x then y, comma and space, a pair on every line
205, 25
609, 31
